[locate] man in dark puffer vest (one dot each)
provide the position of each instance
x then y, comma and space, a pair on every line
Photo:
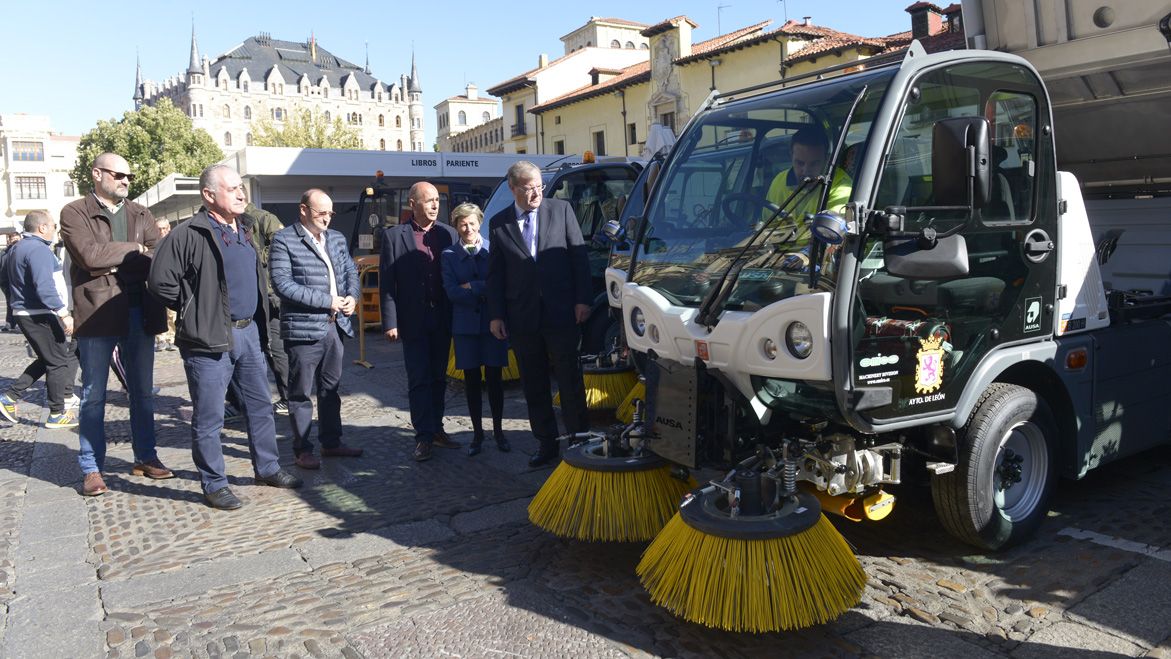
317, 282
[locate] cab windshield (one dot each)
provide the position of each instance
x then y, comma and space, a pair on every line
741, 186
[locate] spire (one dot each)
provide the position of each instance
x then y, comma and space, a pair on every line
138, 96
312, 47
367, 58
414, 88
194, 66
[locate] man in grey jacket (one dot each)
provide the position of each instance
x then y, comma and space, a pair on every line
317, 282
38, 306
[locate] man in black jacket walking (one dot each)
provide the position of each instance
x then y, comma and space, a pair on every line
208, 270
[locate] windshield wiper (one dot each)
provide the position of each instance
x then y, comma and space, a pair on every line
714, 300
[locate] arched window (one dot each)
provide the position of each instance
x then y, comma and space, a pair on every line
487, 116
247, 111
382, 145
227, 139
398, 123
463, 118
227, 112
244, 85
278, 114
400, 145
248, 139
381, 121
380, 100
629, 45
643, 46
327, 119
615, 44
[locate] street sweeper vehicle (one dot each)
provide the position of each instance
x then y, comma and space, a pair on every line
955, 263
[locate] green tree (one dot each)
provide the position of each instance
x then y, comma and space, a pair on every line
307, 130
156, 140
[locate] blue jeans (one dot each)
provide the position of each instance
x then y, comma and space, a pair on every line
138, 356
208, 375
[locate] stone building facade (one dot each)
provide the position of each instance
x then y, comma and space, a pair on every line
270, 78
35, 164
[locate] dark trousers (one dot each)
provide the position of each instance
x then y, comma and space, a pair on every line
426, 361
534, 354
208, 375
278, 361
55, 360
495, 386
315, 362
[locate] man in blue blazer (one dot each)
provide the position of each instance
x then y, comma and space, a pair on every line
538, 295
416, 310
317, 282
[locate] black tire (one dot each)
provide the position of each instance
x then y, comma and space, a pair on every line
599, 332
1011, 435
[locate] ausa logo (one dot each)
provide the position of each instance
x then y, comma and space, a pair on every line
1033, 314
669, 422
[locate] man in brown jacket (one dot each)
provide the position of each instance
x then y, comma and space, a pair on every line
110, 241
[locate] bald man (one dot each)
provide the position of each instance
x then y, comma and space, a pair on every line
110, 240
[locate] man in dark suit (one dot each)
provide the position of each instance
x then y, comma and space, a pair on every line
416, 310
538, 295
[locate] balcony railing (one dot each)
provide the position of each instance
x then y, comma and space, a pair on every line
518, 130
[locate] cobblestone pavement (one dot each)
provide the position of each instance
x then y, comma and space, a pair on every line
380, 556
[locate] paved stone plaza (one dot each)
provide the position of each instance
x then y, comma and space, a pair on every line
380, 556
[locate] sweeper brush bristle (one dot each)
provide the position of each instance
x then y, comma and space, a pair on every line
608, 506
625, 412
768, 585
507, 374
605, 389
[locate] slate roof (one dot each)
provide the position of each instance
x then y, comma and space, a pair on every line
260, 54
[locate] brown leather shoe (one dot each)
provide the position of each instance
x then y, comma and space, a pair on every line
308, 461
341, 451
443, 441
422, 451
152, 469
93, 485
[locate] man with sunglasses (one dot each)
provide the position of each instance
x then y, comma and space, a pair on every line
317, 282
111, 241
208, 271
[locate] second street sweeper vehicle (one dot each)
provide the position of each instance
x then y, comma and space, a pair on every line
974, 281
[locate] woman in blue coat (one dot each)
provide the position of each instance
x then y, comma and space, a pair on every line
465, 268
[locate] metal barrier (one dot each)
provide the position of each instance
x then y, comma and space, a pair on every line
369, 302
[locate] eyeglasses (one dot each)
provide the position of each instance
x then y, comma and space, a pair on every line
531, 189
118, 176
317, 213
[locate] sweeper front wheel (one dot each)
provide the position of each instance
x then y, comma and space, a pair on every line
609, 498
999, 492
782, 570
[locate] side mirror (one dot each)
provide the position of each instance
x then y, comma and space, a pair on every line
613, 230
960, 162
912, 258
652, 175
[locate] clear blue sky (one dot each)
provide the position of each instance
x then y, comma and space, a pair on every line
74, 61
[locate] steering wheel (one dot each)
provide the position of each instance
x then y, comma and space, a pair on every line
726, 204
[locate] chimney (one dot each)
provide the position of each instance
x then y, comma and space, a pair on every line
472, 92
926, 20
808, 21
542, 61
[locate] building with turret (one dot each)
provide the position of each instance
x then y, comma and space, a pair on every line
266, 78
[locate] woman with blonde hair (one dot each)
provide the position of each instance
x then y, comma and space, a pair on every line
465, 269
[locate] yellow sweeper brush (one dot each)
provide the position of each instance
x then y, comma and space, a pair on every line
508, 373
625, 411
736, 558
607, 496
606, 384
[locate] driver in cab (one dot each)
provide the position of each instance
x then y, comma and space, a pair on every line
809, 149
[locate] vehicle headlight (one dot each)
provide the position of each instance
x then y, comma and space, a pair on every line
615, 291
798, 339
638, 321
